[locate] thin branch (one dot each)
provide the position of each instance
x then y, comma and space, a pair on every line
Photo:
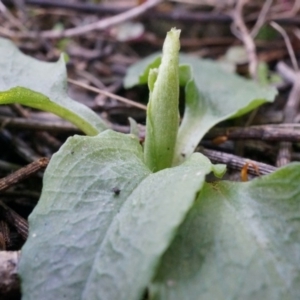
261, 18
38, 125
237, 163
290, 112
15, 220
108, 94
80, 30
286, 72
242, 32
289, 132
291, 108
287, 43
23, 173
11, 18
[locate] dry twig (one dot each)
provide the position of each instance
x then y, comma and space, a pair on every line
286, 132
287, 43
80, 30
108, 94
23, 173
290, 112
292, 105
237, 163
15, 220
243, 33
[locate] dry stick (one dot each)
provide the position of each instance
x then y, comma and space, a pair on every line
182, 15
20, 147
261, 18
8, 214
23, 173
289, 132
292, 105
4, 235
271, 133
75, 6
291, 12
38, 125
245, 36
249, 44
14, 220
237, 163
290, 112
287, 43
108, 94
286, 72
99, 25
10, 17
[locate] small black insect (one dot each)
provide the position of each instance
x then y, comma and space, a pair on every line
116, 191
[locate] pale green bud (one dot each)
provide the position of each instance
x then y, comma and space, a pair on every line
162, 111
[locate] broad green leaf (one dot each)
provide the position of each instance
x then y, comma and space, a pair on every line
215, 96
239, 241
103, 220
85, 186
129, 254
221, 95
42, 85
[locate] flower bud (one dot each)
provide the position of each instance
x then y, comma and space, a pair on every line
162, 111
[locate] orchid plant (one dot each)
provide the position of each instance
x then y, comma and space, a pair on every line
117, 219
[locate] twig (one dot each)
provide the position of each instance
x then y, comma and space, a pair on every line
20, 147
23, 173
15, 220
11, 18
75, 6
284, 155
173, 15
288, 132
4, 235
99, 25
288, 13
287, 43
245, 36
290, 113
286, 72
108, 94
237, 163
38, 125
261, 18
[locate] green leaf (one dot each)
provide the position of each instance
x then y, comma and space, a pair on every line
215, 96
138, 73
42, 85
103, 220
221, 96
239, 241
